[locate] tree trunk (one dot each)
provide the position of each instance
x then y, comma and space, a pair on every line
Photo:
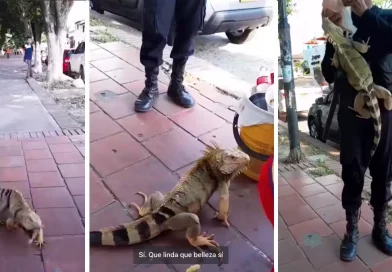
54, 15
36, 27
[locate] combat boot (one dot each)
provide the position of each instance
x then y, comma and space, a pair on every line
176, 90
380, 234
348, 248
150, 93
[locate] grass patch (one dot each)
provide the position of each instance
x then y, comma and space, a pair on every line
96, 22
283, 140
320, 170
104, 37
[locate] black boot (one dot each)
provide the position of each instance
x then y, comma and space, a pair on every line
381, 237
348, 248
150, 93
176, 90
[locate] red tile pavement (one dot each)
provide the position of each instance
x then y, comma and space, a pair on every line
312, 224
37, 170
147, 152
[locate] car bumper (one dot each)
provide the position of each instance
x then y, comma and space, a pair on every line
234, 20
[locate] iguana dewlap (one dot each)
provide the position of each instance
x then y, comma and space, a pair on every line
348, 57
177, 209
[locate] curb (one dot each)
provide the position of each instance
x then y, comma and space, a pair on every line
41, 134
197, 68
61, 117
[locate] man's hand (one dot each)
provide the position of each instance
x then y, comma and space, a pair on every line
358, 7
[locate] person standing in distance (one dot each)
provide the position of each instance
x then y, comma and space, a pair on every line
158, 17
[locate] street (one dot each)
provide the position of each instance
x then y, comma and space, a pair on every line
243, 61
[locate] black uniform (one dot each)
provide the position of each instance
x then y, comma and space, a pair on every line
357, 133
160, 17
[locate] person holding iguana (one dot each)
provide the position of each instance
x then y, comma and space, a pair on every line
357, 133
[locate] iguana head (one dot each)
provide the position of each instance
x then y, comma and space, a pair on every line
333, 31
229, 162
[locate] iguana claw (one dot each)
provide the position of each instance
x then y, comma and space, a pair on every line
40, 244
222, 218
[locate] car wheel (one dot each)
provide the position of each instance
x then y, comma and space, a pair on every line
81, 73
95, 6
240, 36
314, 129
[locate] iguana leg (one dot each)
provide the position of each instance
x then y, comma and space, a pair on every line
383, 93
39, 242
191, 223
362, 47
149, 204
335, 60
11, 224
223, 189
360, 107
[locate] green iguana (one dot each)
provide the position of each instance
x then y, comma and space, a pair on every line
176, 210
348, 57
15, 212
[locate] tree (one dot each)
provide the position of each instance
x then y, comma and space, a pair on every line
295, 155
54, 15
387, 4
29, 13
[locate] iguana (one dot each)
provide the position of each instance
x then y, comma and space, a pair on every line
15, 212
176, 210
348, 57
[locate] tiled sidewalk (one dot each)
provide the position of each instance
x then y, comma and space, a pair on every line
49, 171
312, 224
148, 152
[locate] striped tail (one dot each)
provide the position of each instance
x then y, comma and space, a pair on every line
135, 232
374, 109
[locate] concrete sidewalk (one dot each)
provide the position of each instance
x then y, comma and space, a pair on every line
312, 224
148, 152
20, 107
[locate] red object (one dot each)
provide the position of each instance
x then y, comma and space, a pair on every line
262, 80
66, 61
272, 78
266, 189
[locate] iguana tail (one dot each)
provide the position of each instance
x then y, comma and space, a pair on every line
137, 231
374, 109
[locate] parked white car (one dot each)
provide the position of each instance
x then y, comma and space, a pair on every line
76, 62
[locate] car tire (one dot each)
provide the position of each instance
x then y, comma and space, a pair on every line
81, 73
239, 37
94, 6
314, 129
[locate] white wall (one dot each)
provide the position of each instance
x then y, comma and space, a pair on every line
305, 23
79, 11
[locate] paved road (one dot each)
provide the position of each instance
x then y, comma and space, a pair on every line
20, 108
243, 61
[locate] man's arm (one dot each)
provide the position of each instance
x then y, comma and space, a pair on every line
374, 24
326, 65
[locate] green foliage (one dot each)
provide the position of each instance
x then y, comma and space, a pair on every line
290, 6
387, 4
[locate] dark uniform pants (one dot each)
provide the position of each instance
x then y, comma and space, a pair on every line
158, 18
356, 142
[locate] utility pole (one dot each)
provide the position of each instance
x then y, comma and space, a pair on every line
295, 155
